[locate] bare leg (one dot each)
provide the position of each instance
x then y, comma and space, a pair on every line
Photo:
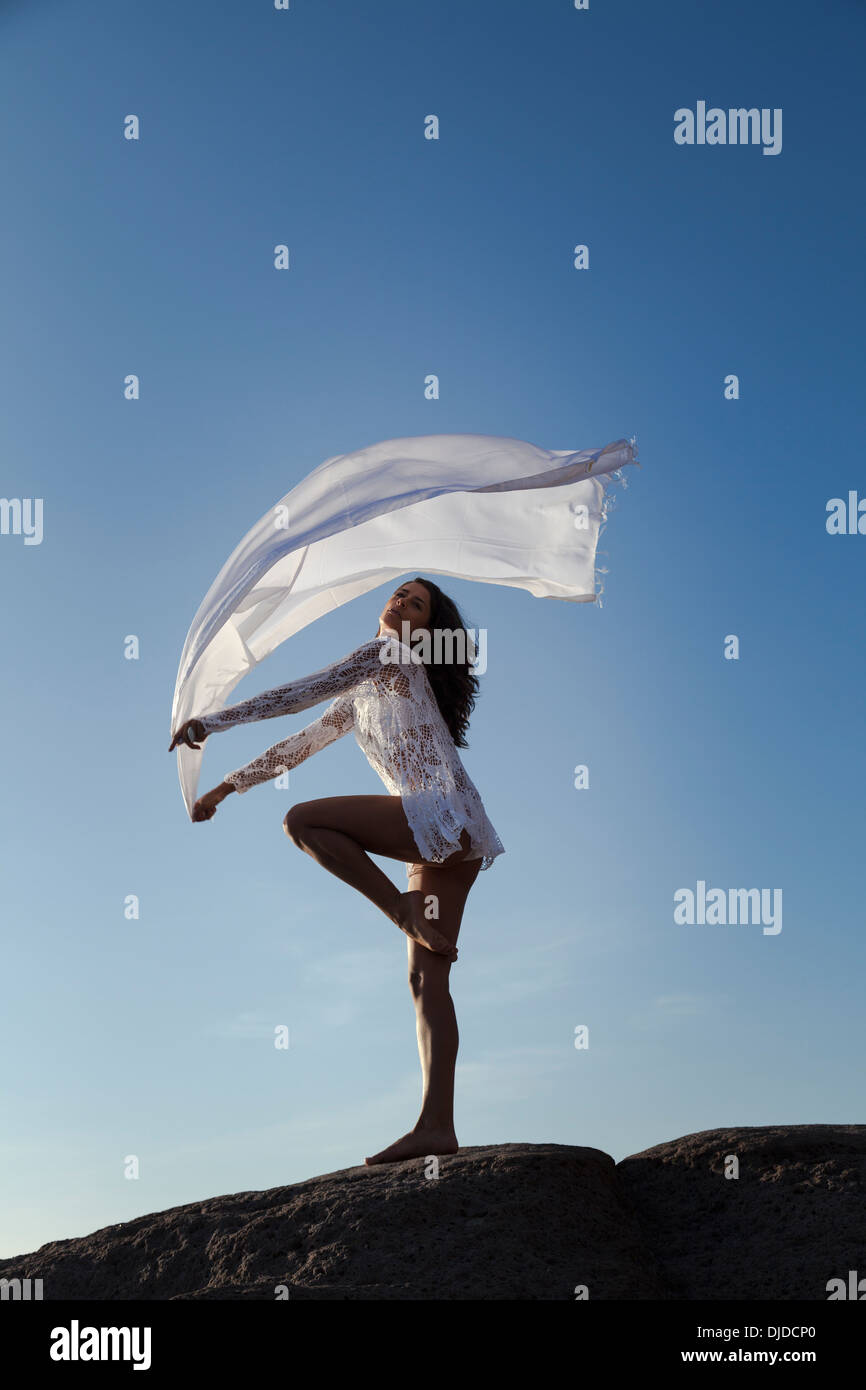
436, 1021
340, 832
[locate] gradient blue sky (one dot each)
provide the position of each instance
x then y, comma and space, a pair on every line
154, 1037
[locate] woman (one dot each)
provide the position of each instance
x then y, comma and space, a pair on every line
409, 718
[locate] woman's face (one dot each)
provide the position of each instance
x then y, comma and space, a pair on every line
410, 603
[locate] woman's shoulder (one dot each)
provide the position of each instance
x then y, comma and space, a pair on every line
391, 651
371, 657
369, 652
402, 658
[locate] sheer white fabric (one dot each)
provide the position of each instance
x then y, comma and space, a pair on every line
386, 698
481, 507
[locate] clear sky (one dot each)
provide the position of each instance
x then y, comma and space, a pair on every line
154, 1037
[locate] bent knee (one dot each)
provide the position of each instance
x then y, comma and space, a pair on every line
295, 822
429, 981
417, 982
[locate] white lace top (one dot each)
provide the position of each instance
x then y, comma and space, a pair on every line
398, 725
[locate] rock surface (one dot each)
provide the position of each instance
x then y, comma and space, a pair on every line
509, 1221
793, 1219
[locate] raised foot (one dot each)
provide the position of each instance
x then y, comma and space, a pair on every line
417, 1144
410, 918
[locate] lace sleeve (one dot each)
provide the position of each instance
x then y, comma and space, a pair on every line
333, 724
300, 694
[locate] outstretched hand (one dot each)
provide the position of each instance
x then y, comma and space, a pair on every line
189, 731
205, 807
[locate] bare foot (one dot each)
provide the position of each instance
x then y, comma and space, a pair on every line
418, 1143
410, 918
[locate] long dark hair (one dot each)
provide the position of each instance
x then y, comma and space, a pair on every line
452, 681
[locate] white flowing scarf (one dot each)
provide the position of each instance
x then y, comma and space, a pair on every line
474, 506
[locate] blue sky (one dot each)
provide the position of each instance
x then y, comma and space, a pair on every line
154, 1037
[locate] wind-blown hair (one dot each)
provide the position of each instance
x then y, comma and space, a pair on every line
454, 684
